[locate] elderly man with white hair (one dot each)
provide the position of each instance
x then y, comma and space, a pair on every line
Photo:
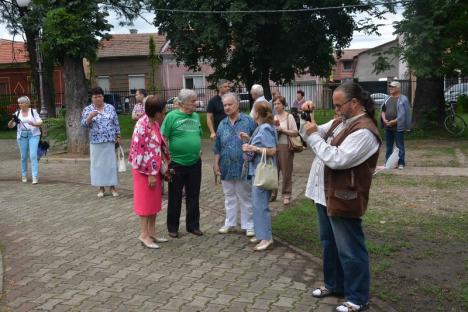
228, 164
182, 128
257, 95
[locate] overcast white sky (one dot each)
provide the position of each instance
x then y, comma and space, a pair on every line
360, 40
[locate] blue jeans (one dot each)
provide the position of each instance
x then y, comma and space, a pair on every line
397, 137
261, 213
332, 270
28, 142
354, 259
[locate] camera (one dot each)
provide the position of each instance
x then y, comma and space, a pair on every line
305, 115
15, 118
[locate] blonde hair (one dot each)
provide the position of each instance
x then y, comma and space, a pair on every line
24, 100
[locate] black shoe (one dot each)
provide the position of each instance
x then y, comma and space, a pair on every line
173, 234
196, 232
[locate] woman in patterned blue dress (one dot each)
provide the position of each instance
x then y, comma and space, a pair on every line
104, 132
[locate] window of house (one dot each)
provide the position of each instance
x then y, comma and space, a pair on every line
103, 82
136, 82
195, 82
348, 65
3, 88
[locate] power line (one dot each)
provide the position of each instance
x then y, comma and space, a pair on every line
304, 9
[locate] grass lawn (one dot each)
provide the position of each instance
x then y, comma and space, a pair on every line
417, 234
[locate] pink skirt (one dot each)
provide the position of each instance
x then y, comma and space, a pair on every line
146, 201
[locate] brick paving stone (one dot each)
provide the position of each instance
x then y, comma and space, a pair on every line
83, 253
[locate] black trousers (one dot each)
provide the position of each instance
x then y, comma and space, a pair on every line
190, 178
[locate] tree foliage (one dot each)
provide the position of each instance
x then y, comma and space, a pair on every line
154, 62
435, 36
258, 47
435, 44
71, 32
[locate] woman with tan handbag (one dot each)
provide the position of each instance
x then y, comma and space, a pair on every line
263, 141
286, 128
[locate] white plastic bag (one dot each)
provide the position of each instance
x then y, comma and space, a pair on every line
121, 164
392, 161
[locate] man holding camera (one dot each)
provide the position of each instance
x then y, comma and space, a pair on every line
346, 149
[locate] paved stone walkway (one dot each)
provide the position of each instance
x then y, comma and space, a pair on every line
66, 250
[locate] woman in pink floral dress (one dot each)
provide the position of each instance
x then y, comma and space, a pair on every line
148, 156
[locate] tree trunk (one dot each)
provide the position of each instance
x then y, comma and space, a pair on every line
428, 111
266, 85
49, 88
76, 95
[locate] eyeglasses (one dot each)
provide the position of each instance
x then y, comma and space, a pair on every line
341, 105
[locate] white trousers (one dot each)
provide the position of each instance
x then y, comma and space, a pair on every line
238, 195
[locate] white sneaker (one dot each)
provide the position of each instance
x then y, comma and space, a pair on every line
250, 233
401, 167
34, 181
348, 306
225, 229
24, 179
253, 240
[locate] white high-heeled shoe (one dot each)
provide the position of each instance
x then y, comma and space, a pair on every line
263, 245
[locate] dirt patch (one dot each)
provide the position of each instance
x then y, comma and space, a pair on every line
418, 227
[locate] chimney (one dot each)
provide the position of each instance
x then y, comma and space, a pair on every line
133, 30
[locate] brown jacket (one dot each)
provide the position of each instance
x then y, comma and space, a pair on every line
347, 190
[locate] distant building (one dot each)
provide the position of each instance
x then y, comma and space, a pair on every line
344, 67
123, 62
364, 69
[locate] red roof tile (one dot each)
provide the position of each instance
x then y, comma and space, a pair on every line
13, 52
129, 45
349, 54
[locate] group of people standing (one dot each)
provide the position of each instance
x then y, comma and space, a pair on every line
168, 147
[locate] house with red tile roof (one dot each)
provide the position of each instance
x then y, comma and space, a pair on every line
15, 74
123, 62
344, 67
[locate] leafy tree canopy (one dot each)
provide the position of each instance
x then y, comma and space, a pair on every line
257, 47
73, 28
435, 36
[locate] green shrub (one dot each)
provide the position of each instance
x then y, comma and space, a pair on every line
462, 104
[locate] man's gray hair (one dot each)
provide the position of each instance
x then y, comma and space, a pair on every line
231, 95
186, 94
221, 82
24, 100
257, 89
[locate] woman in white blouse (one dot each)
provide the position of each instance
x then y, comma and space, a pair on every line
28, 135
286, 127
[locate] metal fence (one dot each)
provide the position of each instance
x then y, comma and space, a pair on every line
319, 93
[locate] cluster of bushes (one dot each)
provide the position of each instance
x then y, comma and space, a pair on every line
462, 104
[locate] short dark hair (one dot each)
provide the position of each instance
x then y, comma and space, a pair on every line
143, 91
153, 105
97, 91
300, 92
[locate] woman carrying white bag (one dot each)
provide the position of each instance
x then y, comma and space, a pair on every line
264, 173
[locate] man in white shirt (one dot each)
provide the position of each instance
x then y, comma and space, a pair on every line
339, 182
257, 95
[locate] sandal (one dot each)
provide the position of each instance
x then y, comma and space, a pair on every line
348, 306
322, 292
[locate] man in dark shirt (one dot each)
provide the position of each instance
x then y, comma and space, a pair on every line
215, 111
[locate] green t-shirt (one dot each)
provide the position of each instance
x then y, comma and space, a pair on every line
183, 132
